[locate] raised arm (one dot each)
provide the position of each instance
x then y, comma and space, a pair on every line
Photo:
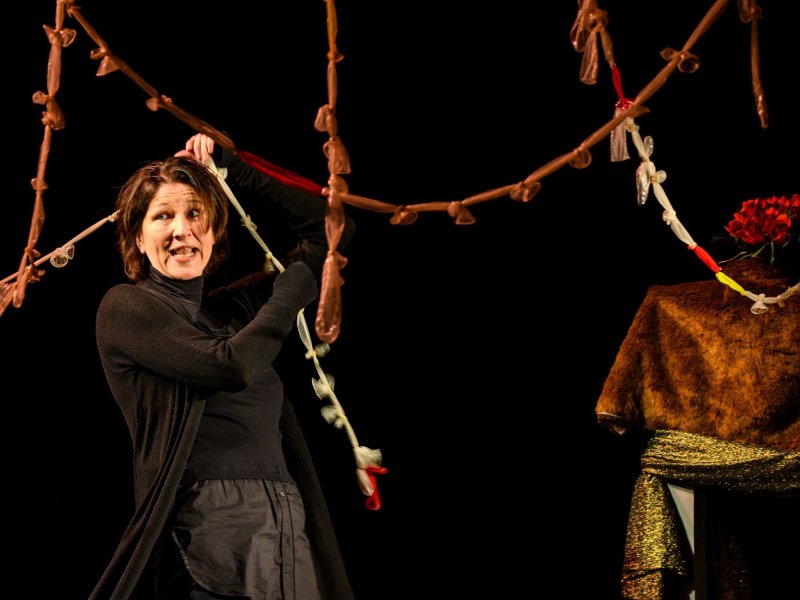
303, 212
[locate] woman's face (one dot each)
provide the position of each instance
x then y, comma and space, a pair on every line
175, 234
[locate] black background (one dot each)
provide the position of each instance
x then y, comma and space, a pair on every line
472, 356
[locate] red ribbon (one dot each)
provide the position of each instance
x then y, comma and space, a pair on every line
279, 173
706, 258
373, 502
616, 77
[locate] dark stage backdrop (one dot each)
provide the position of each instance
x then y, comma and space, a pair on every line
472, 356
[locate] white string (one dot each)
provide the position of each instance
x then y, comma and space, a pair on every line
647, 178
333, 413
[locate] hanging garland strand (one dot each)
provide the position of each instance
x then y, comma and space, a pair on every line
649, 178
368, 461
590, 23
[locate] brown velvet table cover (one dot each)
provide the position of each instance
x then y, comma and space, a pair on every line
696, 359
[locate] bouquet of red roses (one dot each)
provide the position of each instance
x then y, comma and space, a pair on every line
766, 225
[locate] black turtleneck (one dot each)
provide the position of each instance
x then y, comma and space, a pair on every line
249, 417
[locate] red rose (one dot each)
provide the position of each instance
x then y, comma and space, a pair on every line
763, 220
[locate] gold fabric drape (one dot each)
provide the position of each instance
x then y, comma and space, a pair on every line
653, 548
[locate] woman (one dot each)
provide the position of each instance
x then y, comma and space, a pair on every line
227, 502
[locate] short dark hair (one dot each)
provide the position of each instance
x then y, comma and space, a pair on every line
136, 194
